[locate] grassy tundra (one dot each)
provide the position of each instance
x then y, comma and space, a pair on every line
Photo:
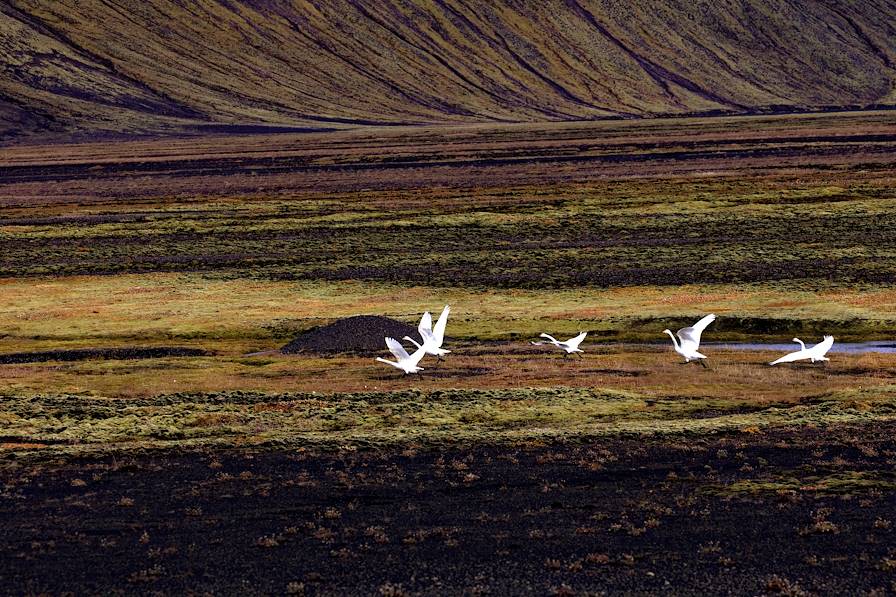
624, 469
232, 245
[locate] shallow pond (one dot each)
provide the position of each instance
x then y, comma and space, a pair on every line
845, 347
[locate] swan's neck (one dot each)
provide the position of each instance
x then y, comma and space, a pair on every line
674, 341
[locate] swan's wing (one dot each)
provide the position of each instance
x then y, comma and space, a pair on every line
417, 356
425, 327
686, 339
574, 342
549, 337
701, 325
823, 347
438, 332
397, 349
692, 334
791, 357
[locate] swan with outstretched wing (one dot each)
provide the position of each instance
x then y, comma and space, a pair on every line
687, 343
815, 354
404, 361
571, 346
433, 337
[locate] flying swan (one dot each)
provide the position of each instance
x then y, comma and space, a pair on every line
814, 354
689, 340
570, 346
432, 336
404, 361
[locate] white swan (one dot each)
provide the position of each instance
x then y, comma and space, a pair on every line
432, 336
690, 340
570, 346
405, 362
814, 354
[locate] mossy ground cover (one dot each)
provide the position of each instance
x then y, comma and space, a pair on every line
604, 235
834, 483
55, 425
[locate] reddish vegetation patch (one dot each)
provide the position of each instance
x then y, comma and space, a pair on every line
20, 446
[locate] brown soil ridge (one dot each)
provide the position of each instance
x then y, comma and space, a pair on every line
82, 354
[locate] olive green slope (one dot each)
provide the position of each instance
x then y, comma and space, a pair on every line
118, 66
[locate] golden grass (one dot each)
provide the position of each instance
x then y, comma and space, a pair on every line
651, 371
235, 317
43, 313
306, 398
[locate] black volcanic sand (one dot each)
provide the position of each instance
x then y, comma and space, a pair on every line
81, 354
615, 515
360, 334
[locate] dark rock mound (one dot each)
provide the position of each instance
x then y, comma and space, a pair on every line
81, 354
363, 333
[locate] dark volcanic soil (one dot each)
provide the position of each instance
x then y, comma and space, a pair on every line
81, 354
615, 515
360, 334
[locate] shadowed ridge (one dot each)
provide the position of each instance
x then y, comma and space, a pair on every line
91, 66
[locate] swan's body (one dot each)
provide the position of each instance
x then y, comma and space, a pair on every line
814, 354
570, 346
404, 361
433, 337
688, 342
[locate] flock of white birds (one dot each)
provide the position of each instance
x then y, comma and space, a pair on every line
686, 342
